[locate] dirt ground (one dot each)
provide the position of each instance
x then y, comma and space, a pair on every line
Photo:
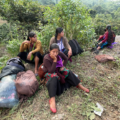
103, 80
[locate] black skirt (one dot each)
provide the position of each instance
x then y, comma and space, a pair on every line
23, 56
56, 88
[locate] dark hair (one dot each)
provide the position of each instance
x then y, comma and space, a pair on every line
58, 30
54, 46
31, 34
110, 34
105, 30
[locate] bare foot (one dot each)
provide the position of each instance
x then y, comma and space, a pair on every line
83, 88
36, 71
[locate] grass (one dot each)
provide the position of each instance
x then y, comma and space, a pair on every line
103, 80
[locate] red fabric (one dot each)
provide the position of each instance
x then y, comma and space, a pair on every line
62, 78
106, 37
41, 72
31, 46
101, 37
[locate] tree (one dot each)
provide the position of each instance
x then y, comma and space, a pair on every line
25, 13
72, 17
46, 2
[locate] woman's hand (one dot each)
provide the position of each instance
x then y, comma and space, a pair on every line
54, 58
29, 56
63, 62
62, 68
69, 53
26, 41
99, 43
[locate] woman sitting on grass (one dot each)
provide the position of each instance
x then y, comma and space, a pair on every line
31, 51
105, 40
58, 78
62, 42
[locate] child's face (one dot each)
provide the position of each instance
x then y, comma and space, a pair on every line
33, 39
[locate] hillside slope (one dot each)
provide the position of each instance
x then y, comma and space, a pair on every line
103, 80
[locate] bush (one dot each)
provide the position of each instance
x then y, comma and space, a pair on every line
13, 47
26, 14
73, 17
8, 32
3, 61
44, 36
102, 20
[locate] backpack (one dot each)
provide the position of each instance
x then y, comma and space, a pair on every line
76, 49
26, 84
9, 70
16, 62
41, 73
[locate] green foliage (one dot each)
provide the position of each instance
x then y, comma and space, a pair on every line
13, 47
25, 13
72, 17
101, 20
88, 108
45, 34
8, 32
104, 12
108, 5
3, 61
46, 2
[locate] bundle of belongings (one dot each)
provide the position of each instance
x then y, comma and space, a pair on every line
15, 83
104, 58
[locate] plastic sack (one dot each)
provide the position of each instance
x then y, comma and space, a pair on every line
8, 93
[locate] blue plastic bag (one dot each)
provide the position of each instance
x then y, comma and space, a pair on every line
8, 93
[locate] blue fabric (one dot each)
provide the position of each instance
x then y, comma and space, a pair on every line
8, 93
104, 44
63, 50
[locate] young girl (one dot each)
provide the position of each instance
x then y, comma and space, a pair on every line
31, 50
62, 42
58, 78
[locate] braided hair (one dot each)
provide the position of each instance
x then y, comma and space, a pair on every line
58, 30
110, 35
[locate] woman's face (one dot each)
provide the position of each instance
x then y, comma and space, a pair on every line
54, 52
33, 39
61, 34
